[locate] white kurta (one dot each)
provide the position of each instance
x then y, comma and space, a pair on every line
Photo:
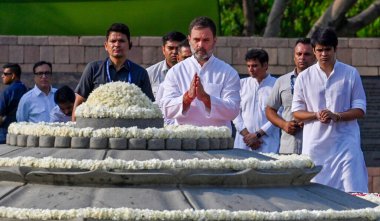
219, 80
335, 146
252, 114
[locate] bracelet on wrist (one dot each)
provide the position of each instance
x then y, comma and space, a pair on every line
187, 99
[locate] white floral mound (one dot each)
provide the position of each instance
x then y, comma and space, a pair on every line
69, 130
118, 100
282, 162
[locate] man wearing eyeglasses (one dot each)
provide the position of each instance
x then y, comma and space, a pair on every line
36, 104
10, 97
282, 95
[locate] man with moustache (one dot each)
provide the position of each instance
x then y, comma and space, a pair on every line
202, 90
282, 95
36, 104
116, 67
157, 72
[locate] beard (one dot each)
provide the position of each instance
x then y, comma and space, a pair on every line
201, 54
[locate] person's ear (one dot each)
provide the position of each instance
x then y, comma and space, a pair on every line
130, 45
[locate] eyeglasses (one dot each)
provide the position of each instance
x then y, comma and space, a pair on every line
46, 73
6, 73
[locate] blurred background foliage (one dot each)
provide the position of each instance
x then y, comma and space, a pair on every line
298, 18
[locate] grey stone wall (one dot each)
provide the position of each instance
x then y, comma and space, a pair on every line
69, 54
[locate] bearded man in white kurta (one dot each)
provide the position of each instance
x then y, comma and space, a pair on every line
254, 131
201, 90
329, 98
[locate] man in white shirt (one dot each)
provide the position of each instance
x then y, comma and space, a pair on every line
282, 96
157, 72
202, 90
254, 131
36, 104
329, 98
64, 97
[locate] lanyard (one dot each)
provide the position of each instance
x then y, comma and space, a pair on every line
108, 72
292, 79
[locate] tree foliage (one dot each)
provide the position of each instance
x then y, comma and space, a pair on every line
297, 20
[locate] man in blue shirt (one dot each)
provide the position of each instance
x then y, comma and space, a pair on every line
36, 104
114, 68
10, 97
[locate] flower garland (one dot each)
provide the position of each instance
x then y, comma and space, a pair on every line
373, 197
187, 214
69, 130
156, 164
118, 100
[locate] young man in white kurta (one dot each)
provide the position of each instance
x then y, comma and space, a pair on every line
330, 103
252, 114
201, 90
254, 131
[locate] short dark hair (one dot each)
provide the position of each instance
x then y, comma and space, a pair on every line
203, 22
41, 63
15, 68
121, 28
305, 41
173, 36
184, 43
325, 37
64, 94
257, 54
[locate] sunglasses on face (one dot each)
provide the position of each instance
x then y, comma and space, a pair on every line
6, 73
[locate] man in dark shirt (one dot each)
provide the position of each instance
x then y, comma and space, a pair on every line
114, 68
10, 97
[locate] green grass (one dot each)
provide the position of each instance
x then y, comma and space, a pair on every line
144, 17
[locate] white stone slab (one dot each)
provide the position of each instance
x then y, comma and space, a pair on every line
7, 187
73, 197
272, 198
4, 148
57, 153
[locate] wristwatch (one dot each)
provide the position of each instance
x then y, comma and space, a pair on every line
258, 134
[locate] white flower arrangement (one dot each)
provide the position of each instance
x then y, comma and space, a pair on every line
69, 130
156, 164
49, 129
187, 214
373, 197
118, 100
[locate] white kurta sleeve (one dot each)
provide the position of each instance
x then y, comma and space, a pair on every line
358, 95
298, 102
239, 123
172, 97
